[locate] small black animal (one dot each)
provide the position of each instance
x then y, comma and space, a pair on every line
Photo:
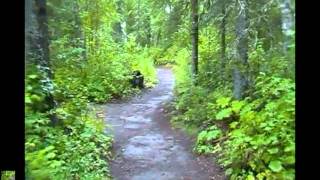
137, 79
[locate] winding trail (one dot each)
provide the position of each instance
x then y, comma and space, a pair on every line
146, 147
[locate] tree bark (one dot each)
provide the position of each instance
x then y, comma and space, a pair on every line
223, 41
117, 28
42, 19
44, 60
27, 28
241, 65
287, 19
79, 31
194, 37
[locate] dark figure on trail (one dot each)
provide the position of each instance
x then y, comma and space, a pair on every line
137, 79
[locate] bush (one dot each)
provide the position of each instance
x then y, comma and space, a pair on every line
76, 148
260, 140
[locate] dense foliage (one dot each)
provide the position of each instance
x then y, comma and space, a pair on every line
253, 137
7, 175
241, 100
65, 139
260, 139
75, 148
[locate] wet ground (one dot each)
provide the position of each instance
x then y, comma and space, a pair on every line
146, 147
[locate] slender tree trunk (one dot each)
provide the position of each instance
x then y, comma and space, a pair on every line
223, 41
27, 27
118, 31
157, 39
148, 29
44, 61
79, 31
241, 65
31, 34
139, 37
42, 20
117, 35
194, 37
287, 19
124, 31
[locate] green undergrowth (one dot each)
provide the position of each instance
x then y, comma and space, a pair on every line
253, 138
7, 175
77, 146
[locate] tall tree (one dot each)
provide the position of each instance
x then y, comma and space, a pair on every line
194, 36
241, 61
79, 33
43, 60
223, 39
287, 18
118, 31
43, 40
29, 30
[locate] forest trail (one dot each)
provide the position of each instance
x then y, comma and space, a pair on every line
146, 147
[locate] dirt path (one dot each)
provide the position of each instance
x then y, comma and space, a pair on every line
146, 147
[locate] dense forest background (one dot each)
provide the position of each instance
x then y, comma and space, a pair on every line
234, 66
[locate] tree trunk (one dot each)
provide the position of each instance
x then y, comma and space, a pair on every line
223, 41
27, 28
194, 37
241, 65
287, 19
43, 60
138, 19
79, 31
32, 52
117, 28
117, 32
148, 31
42, 19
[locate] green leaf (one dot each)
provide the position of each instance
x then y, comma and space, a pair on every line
288, 175
223, 102
32, 76
229, 171
29, 88
289, 160
248, 116
273, 150
290, 148
201, 136
275, 166
51, 155
35, 98
223, 114
27, 100
236, 106
261, 176
234, 124
250, 177
213, 134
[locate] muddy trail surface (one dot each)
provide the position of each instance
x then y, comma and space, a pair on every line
146, 147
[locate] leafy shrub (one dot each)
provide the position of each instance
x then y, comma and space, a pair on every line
261, 141
7, 175
205, 138
77, 148
54, 153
